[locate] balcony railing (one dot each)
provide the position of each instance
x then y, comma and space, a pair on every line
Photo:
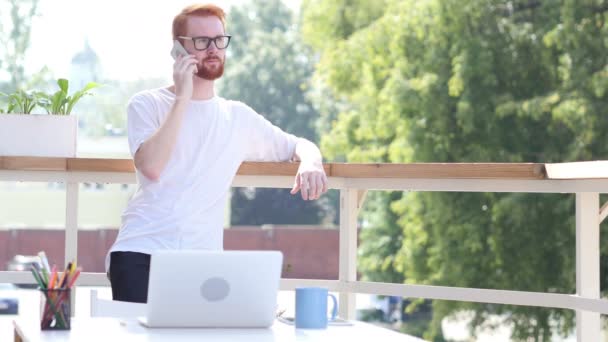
585, 179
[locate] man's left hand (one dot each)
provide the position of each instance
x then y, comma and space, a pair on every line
311, 181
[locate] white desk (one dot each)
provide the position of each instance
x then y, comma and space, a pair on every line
115, 330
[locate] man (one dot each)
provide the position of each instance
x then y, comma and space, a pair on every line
187, 144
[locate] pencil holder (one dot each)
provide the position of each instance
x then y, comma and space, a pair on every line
55, 309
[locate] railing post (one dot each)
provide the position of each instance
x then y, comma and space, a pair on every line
588, 326
348, 249
71, 229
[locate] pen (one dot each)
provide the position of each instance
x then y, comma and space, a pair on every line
37, 277
45, 275
49, 300
50, 281
63, 296
73, 280
36, 268
53, 277
73, 268
65, 275
44, 260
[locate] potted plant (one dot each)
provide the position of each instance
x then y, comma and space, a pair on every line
26, 131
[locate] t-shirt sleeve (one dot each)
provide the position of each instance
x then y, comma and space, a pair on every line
141, 121
265, 141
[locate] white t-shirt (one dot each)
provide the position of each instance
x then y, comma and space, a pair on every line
184, 209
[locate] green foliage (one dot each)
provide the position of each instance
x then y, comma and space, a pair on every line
466, 81
257, 16
58, 103
268, 68
21, 101
15, 31
325, 22
380, 241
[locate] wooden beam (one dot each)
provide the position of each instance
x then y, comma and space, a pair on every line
506, 171
34, 164
264, 169
415, 170
100, 165
441, 170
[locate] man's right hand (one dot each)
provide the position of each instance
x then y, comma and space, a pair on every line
184, 69
154, 153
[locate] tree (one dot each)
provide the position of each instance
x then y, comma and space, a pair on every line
468, 81
268, 68
15, 39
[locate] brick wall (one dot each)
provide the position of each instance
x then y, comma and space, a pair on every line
309, 252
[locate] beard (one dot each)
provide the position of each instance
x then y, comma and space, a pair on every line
211, 72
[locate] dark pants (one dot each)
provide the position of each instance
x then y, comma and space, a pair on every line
129, 275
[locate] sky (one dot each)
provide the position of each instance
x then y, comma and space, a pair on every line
131, 37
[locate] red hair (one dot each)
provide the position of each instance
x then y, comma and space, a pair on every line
199, 10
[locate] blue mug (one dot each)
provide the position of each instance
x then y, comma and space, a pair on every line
311, 307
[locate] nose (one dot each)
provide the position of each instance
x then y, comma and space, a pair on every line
212, 48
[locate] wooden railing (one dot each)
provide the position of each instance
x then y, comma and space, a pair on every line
585, 179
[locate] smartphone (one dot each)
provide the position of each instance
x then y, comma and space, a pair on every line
178, 49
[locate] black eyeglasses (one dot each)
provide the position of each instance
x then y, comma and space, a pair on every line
203, 43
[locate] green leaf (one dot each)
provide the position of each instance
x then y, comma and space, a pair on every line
18, 102
508, 86
79, 94
63, 84
89, 86
57, 101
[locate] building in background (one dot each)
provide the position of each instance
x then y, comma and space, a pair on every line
85, 67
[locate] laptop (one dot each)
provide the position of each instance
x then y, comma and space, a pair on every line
220, 289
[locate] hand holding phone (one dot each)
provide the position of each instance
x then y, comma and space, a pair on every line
183, 71
178, 49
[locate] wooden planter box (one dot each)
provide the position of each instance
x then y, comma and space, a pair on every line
38, 135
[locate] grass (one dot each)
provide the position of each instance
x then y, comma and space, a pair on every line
43, 205
40, 205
